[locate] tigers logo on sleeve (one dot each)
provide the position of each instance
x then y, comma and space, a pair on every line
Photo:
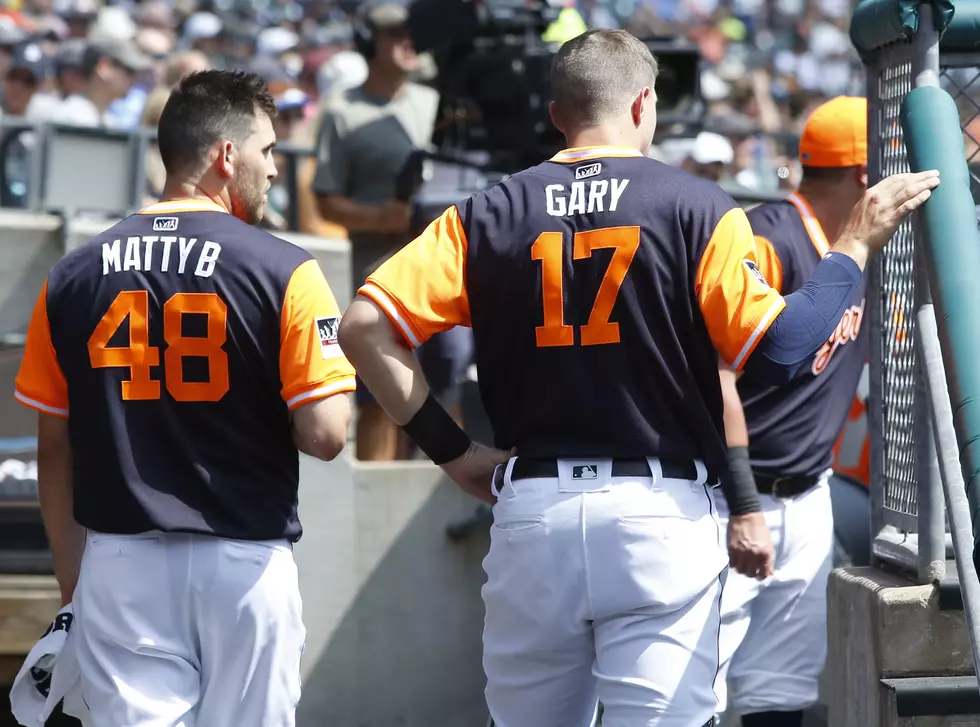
327, 328
754, 269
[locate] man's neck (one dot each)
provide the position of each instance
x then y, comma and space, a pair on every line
600, 136
384, 86
189, 190
828, 207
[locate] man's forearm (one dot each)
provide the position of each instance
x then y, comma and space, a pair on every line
738, 484
352, 216
66, 538
388, 368
811, 315
736, 429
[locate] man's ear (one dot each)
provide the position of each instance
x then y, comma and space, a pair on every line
637, 108
554, 117
226, 159
862, 172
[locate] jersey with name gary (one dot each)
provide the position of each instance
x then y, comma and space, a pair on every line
194, 436
613, 363
793, 427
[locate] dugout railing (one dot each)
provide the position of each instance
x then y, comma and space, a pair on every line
923, 300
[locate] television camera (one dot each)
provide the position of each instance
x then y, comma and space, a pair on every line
494, 73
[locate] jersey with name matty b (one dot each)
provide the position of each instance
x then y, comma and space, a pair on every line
792, 428
600, 287
176, 343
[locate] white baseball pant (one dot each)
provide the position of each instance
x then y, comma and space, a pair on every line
602, 589
180, 630
774, 632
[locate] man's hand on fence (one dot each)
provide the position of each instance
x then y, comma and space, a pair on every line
877, 215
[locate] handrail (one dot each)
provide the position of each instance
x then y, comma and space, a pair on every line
954, 486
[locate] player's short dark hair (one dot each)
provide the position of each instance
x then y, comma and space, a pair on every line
827, 175
205, 107
598, 73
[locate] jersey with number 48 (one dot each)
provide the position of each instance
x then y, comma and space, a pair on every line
601, 287
176, 343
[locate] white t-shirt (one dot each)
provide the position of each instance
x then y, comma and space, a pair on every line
78, 110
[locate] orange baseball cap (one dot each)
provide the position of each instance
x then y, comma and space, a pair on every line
836, 134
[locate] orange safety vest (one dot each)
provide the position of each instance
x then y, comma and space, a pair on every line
852, 450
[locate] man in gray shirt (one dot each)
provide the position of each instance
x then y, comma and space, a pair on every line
366, 135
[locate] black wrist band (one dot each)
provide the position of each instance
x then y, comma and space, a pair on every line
739, 489
435, 432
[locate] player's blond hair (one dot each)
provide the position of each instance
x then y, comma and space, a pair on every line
595, 76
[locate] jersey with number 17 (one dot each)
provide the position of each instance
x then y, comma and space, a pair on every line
176, 343
601, 287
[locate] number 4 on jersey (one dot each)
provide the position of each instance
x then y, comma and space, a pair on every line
139, 356
548, 249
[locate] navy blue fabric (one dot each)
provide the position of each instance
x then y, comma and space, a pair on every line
226, 467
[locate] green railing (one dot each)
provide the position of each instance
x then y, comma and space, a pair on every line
923, 297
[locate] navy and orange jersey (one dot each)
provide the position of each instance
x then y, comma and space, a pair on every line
176, 343
793, 427
601, 286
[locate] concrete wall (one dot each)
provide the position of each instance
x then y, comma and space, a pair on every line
392, 606
882, 625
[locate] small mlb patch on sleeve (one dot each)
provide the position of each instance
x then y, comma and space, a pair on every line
754, 269
327, 330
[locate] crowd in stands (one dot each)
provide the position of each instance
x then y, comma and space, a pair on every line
767, 63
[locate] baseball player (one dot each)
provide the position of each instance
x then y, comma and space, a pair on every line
773, 633
178, 361
601, 286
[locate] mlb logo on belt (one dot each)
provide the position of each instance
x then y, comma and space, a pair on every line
584, 472
165, 224
327, 329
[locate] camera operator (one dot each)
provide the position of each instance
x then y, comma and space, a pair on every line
366, 135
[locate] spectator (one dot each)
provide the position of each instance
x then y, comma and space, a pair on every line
29, 68
183, 64
345, 70
710, 158
366, 136
69, 76
110, 68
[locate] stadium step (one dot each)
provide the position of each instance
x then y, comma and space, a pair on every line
934, 696
948, 587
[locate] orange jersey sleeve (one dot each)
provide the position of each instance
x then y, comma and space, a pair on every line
769, 263
40, 383
311, 364
422, 288
736, 301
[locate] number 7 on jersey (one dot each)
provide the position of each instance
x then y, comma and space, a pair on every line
548, 248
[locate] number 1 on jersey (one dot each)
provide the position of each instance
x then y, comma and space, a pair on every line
548, 248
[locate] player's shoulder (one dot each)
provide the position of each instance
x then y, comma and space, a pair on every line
265, 256
770, 216
663, 190
780, 223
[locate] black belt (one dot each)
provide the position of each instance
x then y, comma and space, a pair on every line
784, 487
682, 469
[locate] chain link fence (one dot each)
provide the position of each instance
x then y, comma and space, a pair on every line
891, 296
